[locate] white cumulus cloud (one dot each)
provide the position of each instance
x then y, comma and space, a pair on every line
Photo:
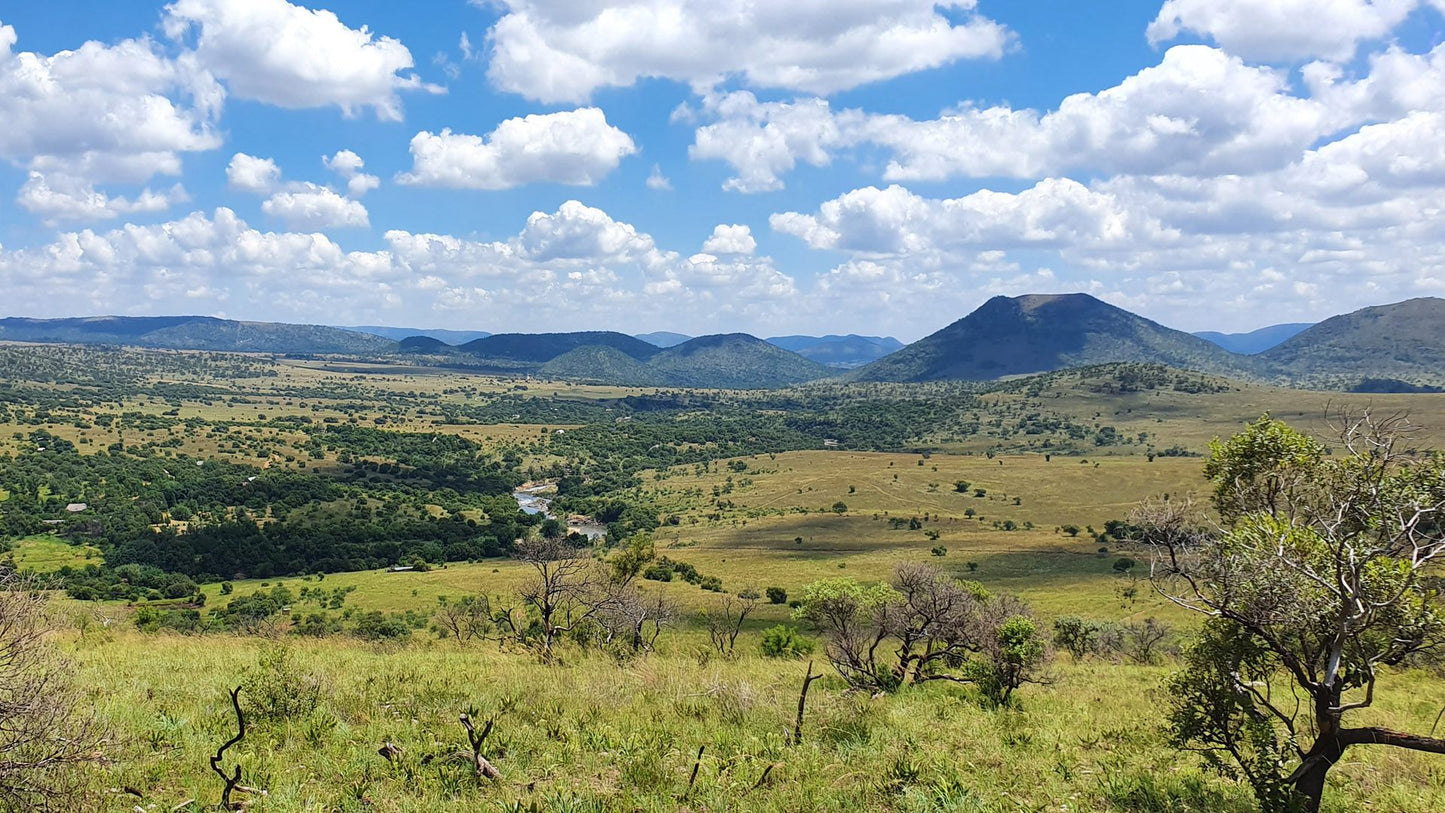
576, 147
730, 239
348, 165
315, 208
1269, 30
562, 51
249, 173
286, 55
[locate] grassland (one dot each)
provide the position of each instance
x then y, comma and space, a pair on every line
598, 733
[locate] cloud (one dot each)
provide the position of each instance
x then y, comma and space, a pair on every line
577, 148
733, 239
560, 51
763, 140
248, 173
348, 165
315, 208
274, 52
657, 181
65, 198
120, 113
1282, 30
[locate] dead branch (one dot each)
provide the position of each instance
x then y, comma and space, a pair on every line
233, 782
808, 679
485, 769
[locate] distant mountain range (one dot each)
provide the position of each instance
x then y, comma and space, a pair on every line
734, 360
1389, 348
1255, 341
440, 334
195, 333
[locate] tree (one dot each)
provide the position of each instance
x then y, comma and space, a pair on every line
47, 735
558, 589
1315, 580
725, 620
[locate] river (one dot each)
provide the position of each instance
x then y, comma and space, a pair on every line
532, 499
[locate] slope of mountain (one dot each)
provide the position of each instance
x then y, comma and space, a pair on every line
1404, 341
663, 338
425, 345
194, 333
452, 337
604, 364
735, 361
1255, 341
843, 352
540, 348
1037, 333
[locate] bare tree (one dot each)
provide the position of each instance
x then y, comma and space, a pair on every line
1314, 581
563, 579
46, 732
1143, 640
628, 615
725, 619
463, 619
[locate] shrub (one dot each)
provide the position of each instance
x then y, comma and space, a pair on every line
277, 690
777, 595
784, 641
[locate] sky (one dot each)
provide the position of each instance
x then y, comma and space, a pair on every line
817, 166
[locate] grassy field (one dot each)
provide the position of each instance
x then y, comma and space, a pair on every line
597, 733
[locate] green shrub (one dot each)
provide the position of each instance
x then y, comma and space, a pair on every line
784, 641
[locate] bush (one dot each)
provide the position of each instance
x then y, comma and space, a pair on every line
47, 736
777, 595
784, 641
939, 550
375, 625
277, 690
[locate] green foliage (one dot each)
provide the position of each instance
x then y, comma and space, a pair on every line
277, 690
776, 595
784, 641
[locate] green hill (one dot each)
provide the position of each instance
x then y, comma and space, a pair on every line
1404, 341
195, 333
734, 361
543, 347
603, 364
1038, 333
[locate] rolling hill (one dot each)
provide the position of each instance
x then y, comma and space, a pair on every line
734, 361
195, 333
452, 337
540, 348
1038, 333
1255, 341
1403, 342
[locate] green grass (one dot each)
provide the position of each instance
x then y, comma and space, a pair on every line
594, 734
46, 553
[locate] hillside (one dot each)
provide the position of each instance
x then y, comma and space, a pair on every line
844, 352
604, 364
425, 345
1404, 341
1038, 333
194, 333
543, 347
1255, 341
735, 361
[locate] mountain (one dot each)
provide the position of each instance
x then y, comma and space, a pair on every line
606, 364
839, 351
734, 361
1042, 332
194, 333
1255, 341
663, 338
540, 348
425, 345
440, 334
1404, 342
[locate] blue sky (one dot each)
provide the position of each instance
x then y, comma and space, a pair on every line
878, 166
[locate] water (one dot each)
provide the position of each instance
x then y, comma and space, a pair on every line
531, 500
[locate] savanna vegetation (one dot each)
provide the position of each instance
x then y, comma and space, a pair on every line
1049, 593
